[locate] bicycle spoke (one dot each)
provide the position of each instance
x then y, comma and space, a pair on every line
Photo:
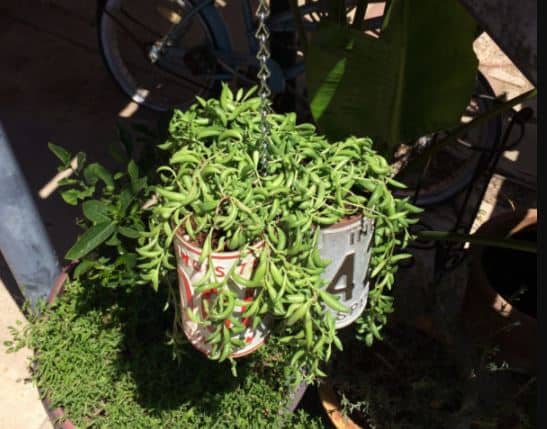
182, 78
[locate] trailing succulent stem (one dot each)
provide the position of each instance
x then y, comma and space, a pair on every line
212, 190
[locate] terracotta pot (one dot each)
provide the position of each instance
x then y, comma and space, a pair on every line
487, 314
331, 403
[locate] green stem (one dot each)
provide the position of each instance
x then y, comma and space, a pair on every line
506, 243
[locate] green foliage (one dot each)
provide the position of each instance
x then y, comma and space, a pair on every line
91, 239
205, 181
101, 354
212, 186
417, 78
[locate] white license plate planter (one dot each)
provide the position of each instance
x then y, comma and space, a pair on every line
346, 244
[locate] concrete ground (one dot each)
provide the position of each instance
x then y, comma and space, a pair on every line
56, 88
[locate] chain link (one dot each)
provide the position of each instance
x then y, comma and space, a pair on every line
263, 54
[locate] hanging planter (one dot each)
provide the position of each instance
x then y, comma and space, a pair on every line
197, 306
288, 241
347, 244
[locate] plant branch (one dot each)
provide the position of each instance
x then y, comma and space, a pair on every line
506, 243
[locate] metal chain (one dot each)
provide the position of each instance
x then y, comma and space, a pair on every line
263, 54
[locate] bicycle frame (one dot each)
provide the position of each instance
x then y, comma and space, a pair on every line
231, 60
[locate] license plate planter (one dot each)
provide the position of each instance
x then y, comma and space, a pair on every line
347, 245
190, 271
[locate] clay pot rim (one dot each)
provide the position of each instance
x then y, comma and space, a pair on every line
508, 224
331, 404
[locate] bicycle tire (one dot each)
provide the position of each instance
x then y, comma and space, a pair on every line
443, 191
212, 28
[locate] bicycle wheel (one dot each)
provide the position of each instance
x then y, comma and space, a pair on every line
452, 169
130, 32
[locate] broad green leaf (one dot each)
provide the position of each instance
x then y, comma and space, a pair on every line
91, 239
60, 153
126, 197
136, 183
96, 211
72, 196
417, 78
82, 267
133, 171
327, 90
81, 159
128, 232
94, 172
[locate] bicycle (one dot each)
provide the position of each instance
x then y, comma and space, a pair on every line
188, 45
188, 52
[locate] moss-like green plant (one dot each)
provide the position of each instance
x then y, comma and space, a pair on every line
101, 355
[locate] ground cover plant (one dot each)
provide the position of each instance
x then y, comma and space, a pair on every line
101, 354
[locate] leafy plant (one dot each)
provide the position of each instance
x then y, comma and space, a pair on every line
415, 79
209, 187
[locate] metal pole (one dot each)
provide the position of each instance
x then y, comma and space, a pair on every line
23, 239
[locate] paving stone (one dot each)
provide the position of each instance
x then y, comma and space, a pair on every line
20, 405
